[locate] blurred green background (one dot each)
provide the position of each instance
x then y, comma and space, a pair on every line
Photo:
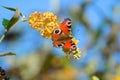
95, 23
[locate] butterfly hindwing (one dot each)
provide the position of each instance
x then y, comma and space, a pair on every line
69, 44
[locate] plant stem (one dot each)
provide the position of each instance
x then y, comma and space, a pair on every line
3, 36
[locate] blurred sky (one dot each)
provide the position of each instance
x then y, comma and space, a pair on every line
31, 39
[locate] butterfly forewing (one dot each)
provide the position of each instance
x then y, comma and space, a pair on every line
66, 26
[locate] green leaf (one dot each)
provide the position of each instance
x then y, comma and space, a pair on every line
11, 9
13, 20
5, 22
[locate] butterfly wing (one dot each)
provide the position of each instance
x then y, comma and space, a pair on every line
66, 26
62, 34
69, 44
55, 36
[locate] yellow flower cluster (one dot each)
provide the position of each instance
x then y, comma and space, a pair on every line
76, 53
75, 41
44, 22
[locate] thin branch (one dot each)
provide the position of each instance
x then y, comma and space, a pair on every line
7, 54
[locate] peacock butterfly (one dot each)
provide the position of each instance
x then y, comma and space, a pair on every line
62, 36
